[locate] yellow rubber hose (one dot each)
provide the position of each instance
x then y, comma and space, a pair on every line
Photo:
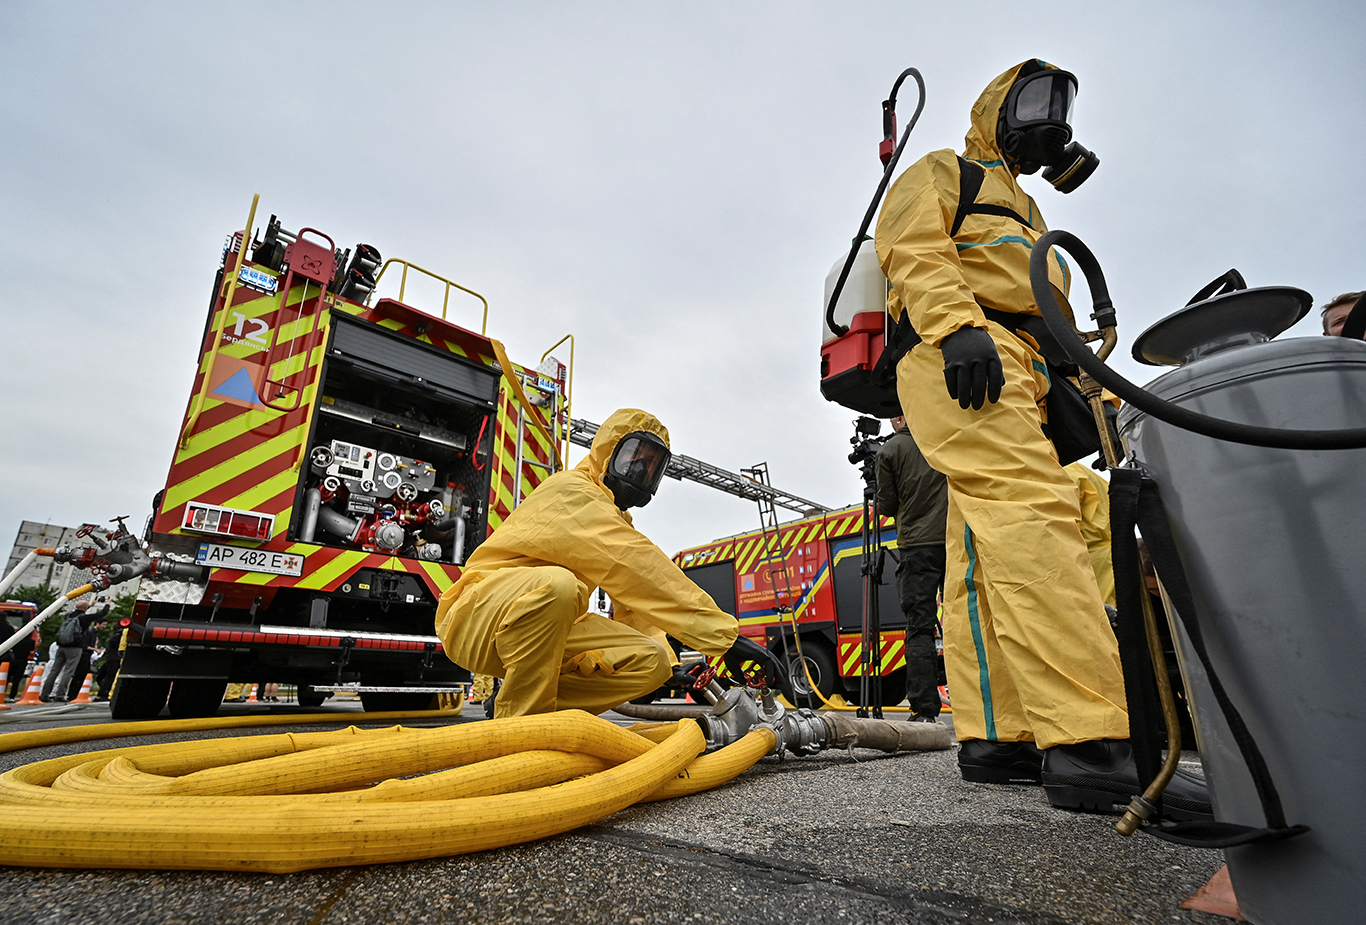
297, 801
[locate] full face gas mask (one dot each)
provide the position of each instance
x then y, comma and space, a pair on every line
635, 469
1034, 129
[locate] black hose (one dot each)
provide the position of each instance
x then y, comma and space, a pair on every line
841, 329
1161, 409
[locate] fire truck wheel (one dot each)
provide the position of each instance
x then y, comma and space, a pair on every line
139, 698
308, 697
192, 698
385, 701
820, 662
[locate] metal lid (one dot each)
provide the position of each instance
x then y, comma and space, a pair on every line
1245, 316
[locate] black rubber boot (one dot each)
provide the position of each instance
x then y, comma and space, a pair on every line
984, 762
1100, 777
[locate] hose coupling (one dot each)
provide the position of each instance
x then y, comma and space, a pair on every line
1140, 811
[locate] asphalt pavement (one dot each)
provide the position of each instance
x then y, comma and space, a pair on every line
839, 837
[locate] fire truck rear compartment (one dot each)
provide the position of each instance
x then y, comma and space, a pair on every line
409, 416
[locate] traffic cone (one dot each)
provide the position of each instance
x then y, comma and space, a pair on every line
84, 695
35, 687
4, 686
254, 689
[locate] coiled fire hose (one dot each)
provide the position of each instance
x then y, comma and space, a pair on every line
297, 801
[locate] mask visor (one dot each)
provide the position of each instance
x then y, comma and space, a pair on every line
1043, 97
639, 461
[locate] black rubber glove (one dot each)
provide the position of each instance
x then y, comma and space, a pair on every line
747, 650
683, 678
972, 367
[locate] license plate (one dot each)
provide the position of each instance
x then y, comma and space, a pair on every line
250, 560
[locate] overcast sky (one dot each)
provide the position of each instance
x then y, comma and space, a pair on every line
668, 182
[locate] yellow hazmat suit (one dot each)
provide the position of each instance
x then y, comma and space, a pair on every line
519, 611
1093, 493
1028, 650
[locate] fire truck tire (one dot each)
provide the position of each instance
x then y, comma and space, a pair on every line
390, 701
308, 697
820, 661
139, 698
192, 698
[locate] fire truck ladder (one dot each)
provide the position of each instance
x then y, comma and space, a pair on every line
784, 603
695, 470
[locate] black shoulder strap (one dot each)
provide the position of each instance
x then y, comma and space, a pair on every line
970, 176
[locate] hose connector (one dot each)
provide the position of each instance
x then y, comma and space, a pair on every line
1140, 811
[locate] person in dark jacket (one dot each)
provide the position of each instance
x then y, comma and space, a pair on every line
89, 644
57, 678
917, 497
109, 665
17, 657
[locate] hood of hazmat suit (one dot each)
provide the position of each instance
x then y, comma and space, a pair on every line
944, 281
572, 520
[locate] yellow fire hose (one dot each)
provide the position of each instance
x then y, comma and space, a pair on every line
296, 801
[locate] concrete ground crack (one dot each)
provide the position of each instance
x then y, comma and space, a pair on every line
950, 905
347, 879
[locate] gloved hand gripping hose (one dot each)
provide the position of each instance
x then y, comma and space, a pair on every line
1103, 311
889, 128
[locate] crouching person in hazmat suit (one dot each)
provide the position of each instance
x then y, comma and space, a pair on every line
1032, 663
520, 610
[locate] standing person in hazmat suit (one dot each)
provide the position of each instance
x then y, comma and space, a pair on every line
520, 610
1031, 660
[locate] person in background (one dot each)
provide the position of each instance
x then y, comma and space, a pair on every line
1336, 311
90, 644
109, 665
16, 658
62, 665
917, 497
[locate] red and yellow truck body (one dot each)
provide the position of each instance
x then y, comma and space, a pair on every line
339, 457
821, 564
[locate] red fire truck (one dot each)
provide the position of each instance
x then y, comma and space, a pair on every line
340, 456
816, 580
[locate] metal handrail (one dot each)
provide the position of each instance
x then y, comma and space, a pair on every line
222, 318
450, 284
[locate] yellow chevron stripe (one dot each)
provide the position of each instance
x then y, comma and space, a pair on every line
217, 475
294, 363
233, 427
249, 578
849, 659
438, 575
262, 492
255, 309
344, 563
392, 324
